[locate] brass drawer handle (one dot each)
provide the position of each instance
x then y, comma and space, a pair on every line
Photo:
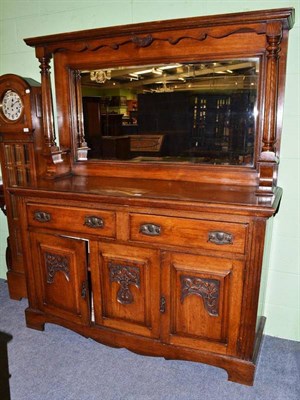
42, 216
150, 229
93, 222
219, 237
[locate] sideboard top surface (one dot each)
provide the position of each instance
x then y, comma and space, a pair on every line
155, 193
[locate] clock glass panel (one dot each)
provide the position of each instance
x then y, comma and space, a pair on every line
12, 105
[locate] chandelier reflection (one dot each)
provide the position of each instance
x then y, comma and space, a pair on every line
100, 76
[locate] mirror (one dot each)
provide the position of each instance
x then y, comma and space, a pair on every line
181, 112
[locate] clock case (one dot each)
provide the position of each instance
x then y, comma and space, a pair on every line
21, 143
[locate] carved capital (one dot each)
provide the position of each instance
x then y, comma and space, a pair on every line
274, 29
45, 65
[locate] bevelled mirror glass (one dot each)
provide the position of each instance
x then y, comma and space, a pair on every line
181, 112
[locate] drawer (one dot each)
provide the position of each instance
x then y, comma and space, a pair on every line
211, 235
73, 219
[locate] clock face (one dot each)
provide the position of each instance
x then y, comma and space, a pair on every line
12, 105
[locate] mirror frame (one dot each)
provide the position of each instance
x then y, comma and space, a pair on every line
261, 34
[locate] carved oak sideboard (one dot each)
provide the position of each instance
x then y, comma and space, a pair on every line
158, 252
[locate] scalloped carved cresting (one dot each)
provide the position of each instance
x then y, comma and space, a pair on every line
55, 263
147, 40
125, 275
207, 289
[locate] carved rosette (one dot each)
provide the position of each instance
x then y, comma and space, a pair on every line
55, 263
207, 289
142, 41
125, 276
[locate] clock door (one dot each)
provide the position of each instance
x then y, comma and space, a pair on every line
125, 282
60, 271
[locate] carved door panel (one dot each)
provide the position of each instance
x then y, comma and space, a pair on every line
202, 302
60, 269
126, 287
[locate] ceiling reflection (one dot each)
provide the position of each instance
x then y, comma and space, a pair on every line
235, 74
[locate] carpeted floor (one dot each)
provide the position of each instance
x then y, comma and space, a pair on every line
60, 365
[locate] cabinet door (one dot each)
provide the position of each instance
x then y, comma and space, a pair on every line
202, 298
60, 270
125, 282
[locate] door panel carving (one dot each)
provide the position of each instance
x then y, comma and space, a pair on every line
55, 263
125, 275
207, 289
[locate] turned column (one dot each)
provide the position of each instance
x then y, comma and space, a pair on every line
51, 151
47, 106
268, 160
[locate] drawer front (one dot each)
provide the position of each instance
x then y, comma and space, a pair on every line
211, 235
73, 219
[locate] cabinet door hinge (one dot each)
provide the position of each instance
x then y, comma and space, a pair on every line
162, 307
83, 289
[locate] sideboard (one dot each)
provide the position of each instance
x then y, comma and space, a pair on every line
160, 252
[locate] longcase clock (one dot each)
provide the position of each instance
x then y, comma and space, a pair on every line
21, 161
